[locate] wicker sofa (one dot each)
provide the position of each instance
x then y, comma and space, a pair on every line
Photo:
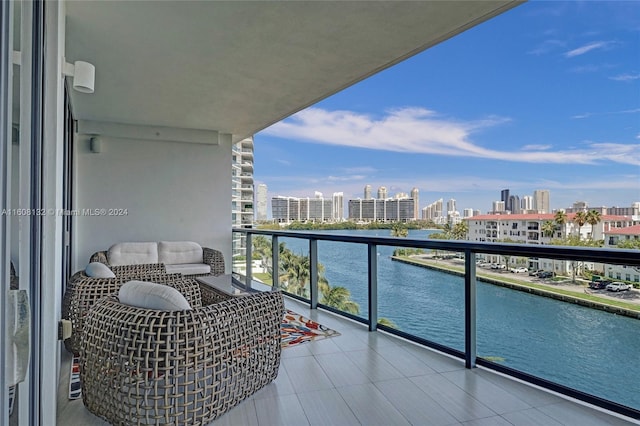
145, 366
185, 257
83, 292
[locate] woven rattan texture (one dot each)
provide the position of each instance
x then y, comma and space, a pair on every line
142, 367
83, 292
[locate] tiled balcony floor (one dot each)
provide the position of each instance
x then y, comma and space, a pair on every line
362, 378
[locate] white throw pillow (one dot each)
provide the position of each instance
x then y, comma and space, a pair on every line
99, 270
133, 253
178, 252
150, 295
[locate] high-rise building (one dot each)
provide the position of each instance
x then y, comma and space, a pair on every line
451, 206
434, 212
498, 207
416, 202
367, 192
541, 201
467, 213
382, 210
338, 206
504, 197
514, 204
261, 202
242, 213
526, 203
382, 193
290, 209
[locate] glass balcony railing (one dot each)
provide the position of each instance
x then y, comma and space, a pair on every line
539, 313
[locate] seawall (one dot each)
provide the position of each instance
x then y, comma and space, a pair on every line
522, 287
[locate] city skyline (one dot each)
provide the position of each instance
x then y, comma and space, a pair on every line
538, 202
553, 106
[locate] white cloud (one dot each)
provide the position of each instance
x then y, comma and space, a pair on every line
533, 147
417, 130
346, 178
587, 48
591, 114
626, 77
546, 47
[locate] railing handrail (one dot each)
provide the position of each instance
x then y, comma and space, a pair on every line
591, 254
470, 249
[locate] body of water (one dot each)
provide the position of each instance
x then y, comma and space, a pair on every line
586, 349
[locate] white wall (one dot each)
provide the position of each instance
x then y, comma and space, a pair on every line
172, 191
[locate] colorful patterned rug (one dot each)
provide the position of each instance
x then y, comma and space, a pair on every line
295, 329
75, 387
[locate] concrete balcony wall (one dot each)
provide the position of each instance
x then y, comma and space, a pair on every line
170, 190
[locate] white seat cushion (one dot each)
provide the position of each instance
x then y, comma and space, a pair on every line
150, 295
98, 270
179, 252
133, 254
188, 269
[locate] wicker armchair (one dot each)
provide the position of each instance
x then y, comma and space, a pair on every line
83, 292
142, 366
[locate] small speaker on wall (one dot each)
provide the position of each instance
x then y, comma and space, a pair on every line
95, 145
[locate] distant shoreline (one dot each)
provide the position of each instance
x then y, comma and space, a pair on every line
575, 299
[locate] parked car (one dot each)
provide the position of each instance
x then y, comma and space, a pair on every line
599, 285
519, 270
546, 274
618, 286
535, 272
498, 266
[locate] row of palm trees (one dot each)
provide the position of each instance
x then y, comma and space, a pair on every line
294, 276
581, 218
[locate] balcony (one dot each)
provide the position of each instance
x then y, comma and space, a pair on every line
470, 332
378, 379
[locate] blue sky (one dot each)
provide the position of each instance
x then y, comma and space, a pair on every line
544, 96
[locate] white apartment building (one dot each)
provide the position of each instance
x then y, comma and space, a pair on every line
242, 212
528, 229
621, 272
434, 212
293, 209
541, 201
382, 210
415, 194
338, 206
261, 202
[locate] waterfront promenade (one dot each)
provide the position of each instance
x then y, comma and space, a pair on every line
625, 303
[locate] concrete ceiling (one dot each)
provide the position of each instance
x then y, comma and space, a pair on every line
237, 67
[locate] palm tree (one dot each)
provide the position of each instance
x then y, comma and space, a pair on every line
387, 322
548, 228
262, 247
593, 218
560, 219
398, 229
460, 231
580, 219
340, 298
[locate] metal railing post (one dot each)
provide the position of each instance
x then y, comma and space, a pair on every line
313, 273
469, 309
373, 286
249, 253
275, 262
